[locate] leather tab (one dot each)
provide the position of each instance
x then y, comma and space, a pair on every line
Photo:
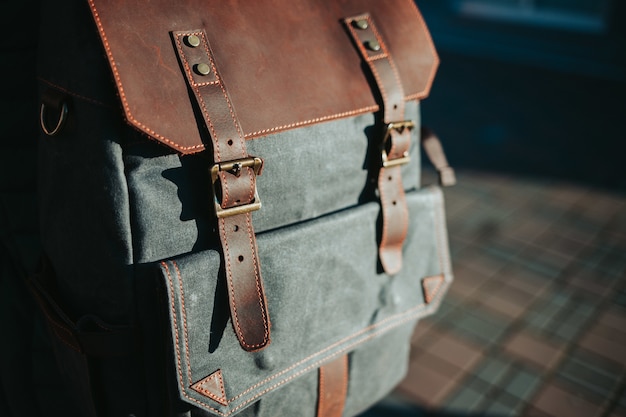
434, 151
393, 201
213, 387
248, 306
333, 387
431, 287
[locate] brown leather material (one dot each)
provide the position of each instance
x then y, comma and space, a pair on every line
432, 286
248, 306
395, 217
333, 387
434, 151
213, 387
266, 51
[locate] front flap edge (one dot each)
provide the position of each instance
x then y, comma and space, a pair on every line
264, 57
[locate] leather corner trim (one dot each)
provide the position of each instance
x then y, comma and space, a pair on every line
431, 287
213, 387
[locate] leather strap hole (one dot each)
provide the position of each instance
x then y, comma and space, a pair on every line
230, 142
394, 202
390, 178
240, 258
235, 228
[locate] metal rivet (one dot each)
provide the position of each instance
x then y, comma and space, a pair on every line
361, 24
192, 40
203, 69
373, 45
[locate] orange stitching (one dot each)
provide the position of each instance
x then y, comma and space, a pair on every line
175, 323
231, 289
433, 70
401, 318
382, 43
81, 97
376, 57
200, 147
182, 305
258, 282
232, 115
208, 393
197, 91
319, 362
355, 37
363, 110
121, 92
330, 347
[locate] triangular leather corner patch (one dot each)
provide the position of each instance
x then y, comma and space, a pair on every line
431, 286
213, 387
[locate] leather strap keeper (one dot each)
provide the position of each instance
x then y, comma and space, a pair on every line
333, 387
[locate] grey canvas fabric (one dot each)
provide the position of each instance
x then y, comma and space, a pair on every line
326, 298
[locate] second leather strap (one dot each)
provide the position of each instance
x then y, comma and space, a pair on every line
395, 143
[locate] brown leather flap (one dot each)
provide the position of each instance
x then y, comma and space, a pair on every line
286, 63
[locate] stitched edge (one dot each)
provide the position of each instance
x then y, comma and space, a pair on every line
257, 277
198, 387
383, 326
368, 109
73, 94
122, 94
184, 314
433, 69
197, 148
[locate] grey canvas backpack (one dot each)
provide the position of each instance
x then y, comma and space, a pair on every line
231, 209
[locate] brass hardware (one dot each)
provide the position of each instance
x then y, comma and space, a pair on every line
373, 45
235, 168
395, 162
361, 24
193, 41
398, 127
202, 69
60, 122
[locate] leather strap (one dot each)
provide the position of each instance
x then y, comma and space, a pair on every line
396, 142
333, 387
434, 151
234, 177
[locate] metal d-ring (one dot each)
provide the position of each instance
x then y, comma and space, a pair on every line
60, 122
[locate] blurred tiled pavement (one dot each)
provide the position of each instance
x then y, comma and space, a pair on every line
535, 322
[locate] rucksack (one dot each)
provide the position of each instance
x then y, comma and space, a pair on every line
231, 209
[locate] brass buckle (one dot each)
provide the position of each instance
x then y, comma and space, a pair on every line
399, 127
235, 167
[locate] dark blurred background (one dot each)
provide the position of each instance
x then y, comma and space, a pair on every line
531, 87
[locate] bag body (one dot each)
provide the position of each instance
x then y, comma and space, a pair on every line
152, 309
